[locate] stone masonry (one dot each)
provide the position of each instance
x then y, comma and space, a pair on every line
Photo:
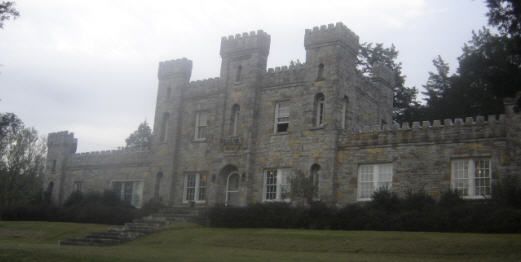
216, 141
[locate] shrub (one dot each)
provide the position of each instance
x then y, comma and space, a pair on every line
507, 192
385, 200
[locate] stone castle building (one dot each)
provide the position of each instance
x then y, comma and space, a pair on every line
239, 138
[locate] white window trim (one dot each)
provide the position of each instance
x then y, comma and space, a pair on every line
276, 120
197, 126
280, 174
471, 177
197, 188
140, 193
376, 172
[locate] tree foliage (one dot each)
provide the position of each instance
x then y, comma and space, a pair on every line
404, 100
489, 69
22, 160
7, 11
505, 15
142, 137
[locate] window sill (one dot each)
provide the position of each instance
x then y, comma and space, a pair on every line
198, 202
199, 141
276, 200
476, 197
281, 133
321, 127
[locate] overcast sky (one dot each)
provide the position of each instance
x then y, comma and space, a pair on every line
90, 66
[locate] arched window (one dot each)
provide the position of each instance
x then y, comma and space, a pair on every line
320, 107
315, 176
345, 104
320, 75
238, 74
164, 127
235, 119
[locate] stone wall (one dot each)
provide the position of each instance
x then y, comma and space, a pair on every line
421, 154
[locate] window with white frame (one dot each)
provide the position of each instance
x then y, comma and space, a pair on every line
320, 106
129, 191
195, 187
277, 184
201, 125
372, 178
282, 117
471, 178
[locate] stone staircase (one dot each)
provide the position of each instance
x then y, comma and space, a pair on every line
139, 227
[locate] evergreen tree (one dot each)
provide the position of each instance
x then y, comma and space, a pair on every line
404, 100
7, 11
142, 137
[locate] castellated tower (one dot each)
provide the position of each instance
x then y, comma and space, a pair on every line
173, 76
244, 56
173, 80
333, 46
60, 146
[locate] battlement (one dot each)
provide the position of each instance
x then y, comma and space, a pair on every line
246, 43
448, 130
123, 155
63, 138
331, 34
280, 75
175, 68
206, 83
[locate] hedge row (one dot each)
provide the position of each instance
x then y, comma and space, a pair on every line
387, 212
98, 208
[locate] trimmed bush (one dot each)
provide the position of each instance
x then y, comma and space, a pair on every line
417, 211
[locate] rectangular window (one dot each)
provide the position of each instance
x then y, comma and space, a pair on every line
129, 191
195, 188
76, 186
471, 178
201, 125
373, 177
282, 117
277, 184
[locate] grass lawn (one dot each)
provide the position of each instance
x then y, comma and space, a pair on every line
38, 241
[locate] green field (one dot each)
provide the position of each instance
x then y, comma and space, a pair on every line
38, 241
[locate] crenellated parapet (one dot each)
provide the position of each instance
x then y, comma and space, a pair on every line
331, 34
209, 83
240, 44
204, 87
175, 68
437, 131
295, 72
123, 156
62, 139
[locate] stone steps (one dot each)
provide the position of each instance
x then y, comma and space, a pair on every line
138, 227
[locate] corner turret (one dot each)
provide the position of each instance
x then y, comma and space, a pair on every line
245, 43
330, 47
178, 68
60, 146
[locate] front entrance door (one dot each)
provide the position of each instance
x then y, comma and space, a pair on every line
232, 189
